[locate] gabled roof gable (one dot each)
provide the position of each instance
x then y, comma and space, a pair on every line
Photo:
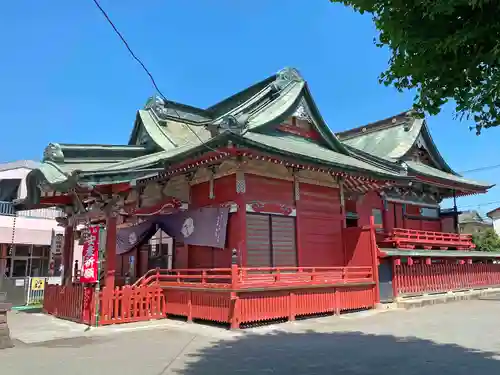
394, 138
258, 108
295, 101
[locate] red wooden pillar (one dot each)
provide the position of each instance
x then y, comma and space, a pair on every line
110, 252
374, 251
67, 255
385, 212
242, 218
298, 228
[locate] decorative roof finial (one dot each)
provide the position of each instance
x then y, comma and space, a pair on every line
53, 152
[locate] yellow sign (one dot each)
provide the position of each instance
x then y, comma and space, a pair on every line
37, 283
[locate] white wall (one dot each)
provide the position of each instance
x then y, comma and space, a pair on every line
496, 225
17, 173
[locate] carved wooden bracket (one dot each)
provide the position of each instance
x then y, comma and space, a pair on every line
271, 208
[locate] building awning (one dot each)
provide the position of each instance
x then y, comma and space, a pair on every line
27, 231
439, 253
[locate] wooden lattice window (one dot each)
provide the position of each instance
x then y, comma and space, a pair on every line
271, 241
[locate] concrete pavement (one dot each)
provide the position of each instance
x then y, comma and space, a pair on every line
459, 338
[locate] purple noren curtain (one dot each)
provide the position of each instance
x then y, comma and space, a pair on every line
203, 227
136, 235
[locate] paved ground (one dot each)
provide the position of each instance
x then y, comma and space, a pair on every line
457, 338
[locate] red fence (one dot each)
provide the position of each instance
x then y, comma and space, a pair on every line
131, 304
65, 302
245, 295
435, 278
237, 308
411, 238
121, 305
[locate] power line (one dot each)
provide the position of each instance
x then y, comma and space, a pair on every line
481, 169
480, 204
96, 2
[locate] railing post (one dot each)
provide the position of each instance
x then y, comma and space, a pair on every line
190, 306
336, 299
374, 251
234, 317
291, 307
234, 276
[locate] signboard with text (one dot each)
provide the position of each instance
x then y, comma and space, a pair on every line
90, 255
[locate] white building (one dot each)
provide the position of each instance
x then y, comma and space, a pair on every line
495, 217
27, 238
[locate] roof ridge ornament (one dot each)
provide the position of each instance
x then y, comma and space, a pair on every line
232, 123
286, 76
53, 152
289, 74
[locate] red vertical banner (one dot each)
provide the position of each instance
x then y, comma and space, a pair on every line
90, 255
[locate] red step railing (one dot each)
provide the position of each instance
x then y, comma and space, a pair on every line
412, 238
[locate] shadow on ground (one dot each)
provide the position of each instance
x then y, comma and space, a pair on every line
352, 353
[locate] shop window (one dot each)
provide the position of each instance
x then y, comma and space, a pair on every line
22, 250
40, 251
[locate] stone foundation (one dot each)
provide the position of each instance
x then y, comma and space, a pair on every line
434, 299
5, 340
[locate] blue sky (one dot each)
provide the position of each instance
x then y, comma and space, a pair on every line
66, 77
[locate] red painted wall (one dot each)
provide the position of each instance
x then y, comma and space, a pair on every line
319, 227
358, 251
394, 217
415, 221
270, 190
224, 191
448, 224
365, 205
208, 257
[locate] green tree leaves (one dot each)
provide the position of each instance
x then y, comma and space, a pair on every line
487, 240
445, 50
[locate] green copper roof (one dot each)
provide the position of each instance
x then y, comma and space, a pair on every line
296, 146
390, 142
159, 134
425, 170
165, 132
393, 138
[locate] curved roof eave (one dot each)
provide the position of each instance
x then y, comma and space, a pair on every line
324, 130
428, 138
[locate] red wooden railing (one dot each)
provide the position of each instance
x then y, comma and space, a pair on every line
131, 304
442, 277
265, 277
240, 295
65, 302
77, 302
412, 238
